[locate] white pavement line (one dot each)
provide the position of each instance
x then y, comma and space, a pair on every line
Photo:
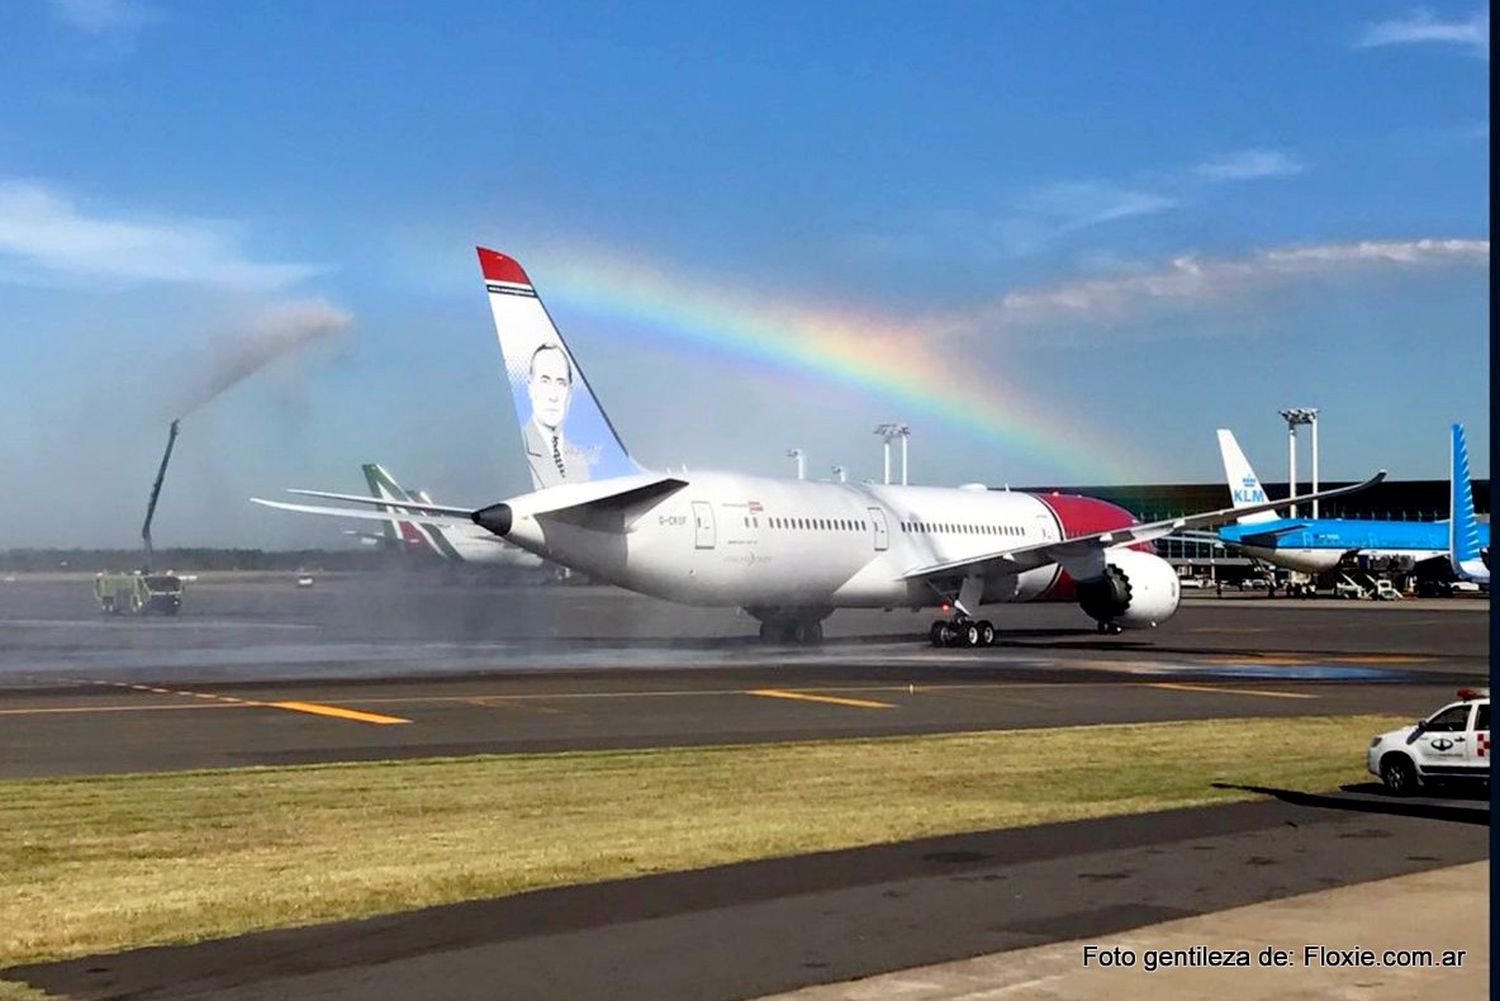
1453, 904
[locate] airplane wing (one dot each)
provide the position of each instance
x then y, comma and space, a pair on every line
1083, 555
446, 518
404, 507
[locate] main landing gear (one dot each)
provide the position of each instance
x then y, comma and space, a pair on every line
804, 632
1110, 628
962, 631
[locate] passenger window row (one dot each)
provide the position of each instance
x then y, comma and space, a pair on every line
817, 524
959, 528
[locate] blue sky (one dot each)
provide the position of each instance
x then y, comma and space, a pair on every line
1143, 221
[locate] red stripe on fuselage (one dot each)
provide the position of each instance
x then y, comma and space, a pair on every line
1075, 516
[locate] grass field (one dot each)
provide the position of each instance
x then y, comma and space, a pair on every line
97, 864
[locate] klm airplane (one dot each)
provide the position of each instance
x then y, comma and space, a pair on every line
1316, 545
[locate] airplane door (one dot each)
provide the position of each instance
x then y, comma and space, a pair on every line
882, 530
1046, 528
703, 525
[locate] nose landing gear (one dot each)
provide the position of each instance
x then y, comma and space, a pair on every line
963, 632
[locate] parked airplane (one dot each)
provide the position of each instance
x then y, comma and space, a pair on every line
1316, 545
1468, 541
791, 551
407, 527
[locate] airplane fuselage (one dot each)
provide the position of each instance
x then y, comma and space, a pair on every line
1315, 545
729, 539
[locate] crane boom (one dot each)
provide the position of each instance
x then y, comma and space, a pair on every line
155, 493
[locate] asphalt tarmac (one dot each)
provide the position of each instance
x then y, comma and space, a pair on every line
255, 671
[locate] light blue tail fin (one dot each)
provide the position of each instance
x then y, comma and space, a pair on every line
1463, 526
566, 435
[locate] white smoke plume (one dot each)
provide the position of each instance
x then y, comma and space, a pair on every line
277, 331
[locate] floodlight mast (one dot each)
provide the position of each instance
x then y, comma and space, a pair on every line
801, 457
890, 432
1294, 417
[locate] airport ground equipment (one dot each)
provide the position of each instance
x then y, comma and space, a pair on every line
1452, 743
136, 593
143, 592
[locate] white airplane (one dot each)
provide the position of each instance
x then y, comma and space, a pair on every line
790, 552
408, 527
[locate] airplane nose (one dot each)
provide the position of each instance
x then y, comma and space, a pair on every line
496, 518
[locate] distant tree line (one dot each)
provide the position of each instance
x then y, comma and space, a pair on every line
193, 559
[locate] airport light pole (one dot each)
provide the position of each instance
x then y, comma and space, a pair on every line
801, 457
841, 474
1294, 417
890, 432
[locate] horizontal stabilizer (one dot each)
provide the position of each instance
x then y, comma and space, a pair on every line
405, 506
445, 518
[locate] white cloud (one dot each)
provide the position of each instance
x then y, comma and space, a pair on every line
1421, 28
46, 236
1190, 281
1248, 165
1055, 210
103, 17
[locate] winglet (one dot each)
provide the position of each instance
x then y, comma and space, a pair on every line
497, 267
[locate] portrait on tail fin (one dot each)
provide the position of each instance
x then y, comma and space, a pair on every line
566, 434
549, 388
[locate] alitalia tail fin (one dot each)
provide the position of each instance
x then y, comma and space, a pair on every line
423, 535
565, 433
1244, 486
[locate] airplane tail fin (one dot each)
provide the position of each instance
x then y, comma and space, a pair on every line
398, 531
1244, 486
1463, 525
566, 434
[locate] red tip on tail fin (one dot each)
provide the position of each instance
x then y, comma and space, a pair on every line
499, 268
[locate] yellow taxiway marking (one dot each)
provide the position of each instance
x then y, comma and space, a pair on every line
1184, 687
777, 693
316, 708
319, 709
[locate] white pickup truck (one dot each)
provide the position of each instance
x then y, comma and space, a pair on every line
1452, 743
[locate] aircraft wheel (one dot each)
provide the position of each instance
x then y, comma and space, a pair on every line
966, 634
938, 634
807, 632
986, 633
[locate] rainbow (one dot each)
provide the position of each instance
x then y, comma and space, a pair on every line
894, 361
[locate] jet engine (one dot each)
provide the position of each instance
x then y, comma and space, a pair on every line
1136, 591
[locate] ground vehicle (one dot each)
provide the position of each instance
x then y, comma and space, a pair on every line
305, 580
1385, 591
1452, 743
137, 593
1191, 583
1347, 589
1253, 584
